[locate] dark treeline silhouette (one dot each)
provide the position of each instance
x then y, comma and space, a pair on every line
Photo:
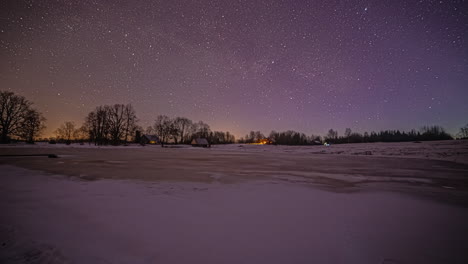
117, 124
252, 137
463, 134
219, 137
107, 124
291, 137
113, 124
426, 133
183, 130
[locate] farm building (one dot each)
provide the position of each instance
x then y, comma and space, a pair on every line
265, 141
150, 139
200, 142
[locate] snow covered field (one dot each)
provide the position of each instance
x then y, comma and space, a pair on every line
402, 203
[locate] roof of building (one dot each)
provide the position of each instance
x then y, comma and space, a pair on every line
200, 141
151, 137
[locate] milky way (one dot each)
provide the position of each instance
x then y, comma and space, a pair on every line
242, 65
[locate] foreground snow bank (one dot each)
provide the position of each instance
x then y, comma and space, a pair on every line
256, 222
17, 248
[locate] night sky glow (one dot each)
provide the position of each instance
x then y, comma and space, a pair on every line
242, 65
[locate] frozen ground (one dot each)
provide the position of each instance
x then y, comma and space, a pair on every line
231, 204
452, 150
456, 151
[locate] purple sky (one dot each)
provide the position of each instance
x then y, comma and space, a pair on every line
242, 65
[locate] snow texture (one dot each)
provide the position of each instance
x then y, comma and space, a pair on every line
287, 217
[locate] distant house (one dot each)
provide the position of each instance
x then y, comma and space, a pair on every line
265, 141
150, 139
200, 142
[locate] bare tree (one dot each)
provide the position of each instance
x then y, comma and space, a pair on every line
130, 121
220, 137
173, 131
116, 121
150, 130
32, 125
202, 130
434, 133
254, 136
164, 127
348, 133
137, 136
81, 134
113, 124
251, 137
182, 124
463, 132
66, 131
274, 136
229, 138
14, 109
259, 136
98, 124
192, 131
332, 135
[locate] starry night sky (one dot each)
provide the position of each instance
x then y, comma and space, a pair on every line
242, 65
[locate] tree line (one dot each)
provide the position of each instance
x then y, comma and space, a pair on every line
426, 133
288, 137
118, 124
183, 130
291, 137
110, 124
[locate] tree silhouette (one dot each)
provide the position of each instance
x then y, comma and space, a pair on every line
164, 128
32, 125
66, 132
17, 118
182, 125
332, 136
463, 132
98, 124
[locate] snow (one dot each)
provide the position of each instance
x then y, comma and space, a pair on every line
232, 204
136, 222
450, 150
